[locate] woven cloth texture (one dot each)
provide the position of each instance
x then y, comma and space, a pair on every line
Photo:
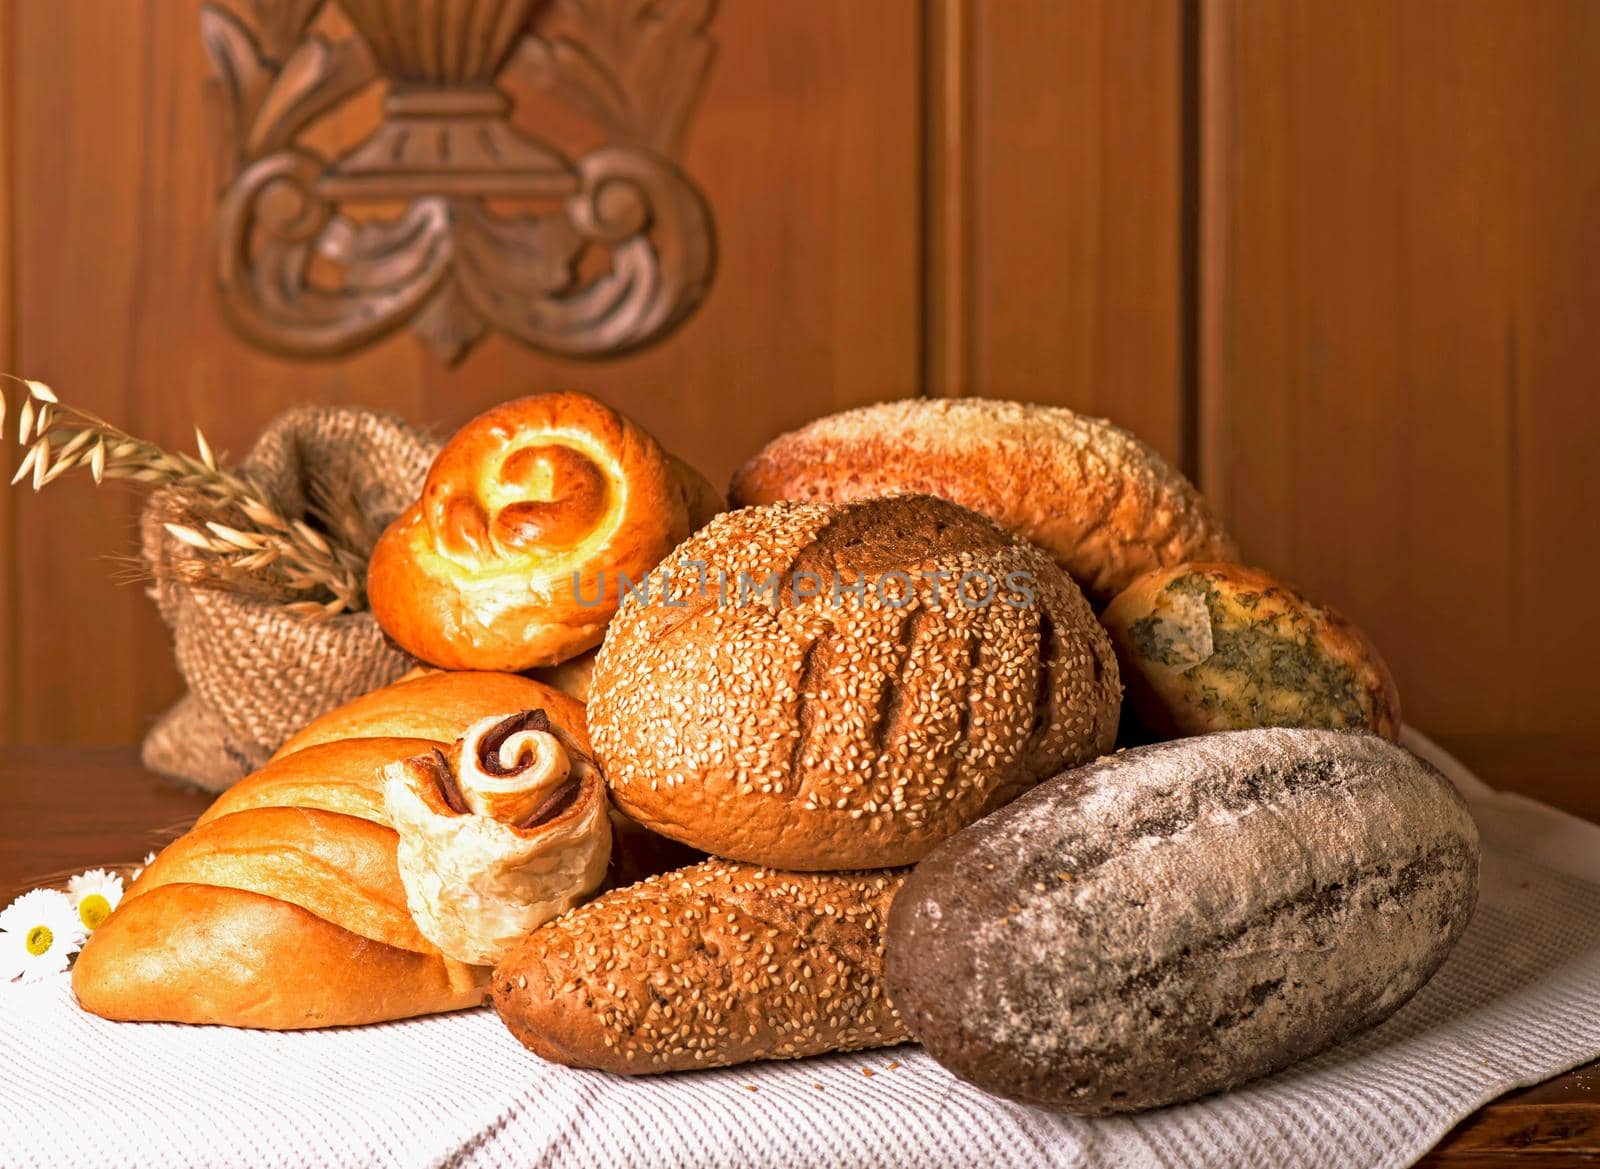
255, 674
1514, 1004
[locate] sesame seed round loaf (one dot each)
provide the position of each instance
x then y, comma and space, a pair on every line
837, 730
1104, 504
1178, 919
712, 965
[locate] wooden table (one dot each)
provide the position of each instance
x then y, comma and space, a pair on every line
71, 808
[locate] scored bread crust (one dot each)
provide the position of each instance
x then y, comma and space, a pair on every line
440, 707
1105, 505
824, 733
715, 964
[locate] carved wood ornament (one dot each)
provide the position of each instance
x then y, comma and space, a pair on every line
312, 260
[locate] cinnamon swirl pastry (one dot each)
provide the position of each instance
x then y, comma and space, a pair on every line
499, 836
511, 559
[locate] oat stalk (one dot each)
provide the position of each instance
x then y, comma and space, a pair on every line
238, 539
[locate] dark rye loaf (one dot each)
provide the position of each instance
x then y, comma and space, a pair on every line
1178, 919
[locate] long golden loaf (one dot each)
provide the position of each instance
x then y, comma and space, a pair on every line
1105, 505
712, 965
438, 706
342, 776
194, 954
278, 915
284, 907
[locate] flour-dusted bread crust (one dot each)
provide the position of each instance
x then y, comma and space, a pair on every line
712, 965
837, 731
1105, 505
1222, 647
1178, 919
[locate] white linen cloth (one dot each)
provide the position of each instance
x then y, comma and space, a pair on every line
1514, 1004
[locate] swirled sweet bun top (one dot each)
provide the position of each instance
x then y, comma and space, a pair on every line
510, 558
1105, 505
499, 835
1222, 647
827, 702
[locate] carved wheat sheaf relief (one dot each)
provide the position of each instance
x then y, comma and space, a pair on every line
315, 262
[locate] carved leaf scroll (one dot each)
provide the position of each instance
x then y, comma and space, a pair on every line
311, 265
635, 66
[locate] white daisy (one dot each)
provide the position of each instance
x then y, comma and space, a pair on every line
150, 859
39, 931
94, 895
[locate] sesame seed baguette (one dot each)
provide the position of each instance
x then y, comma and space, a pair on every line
715, 964
1102, 503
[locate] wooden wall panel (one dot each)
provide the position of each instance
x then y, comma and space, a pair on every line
1400, 257
1076, 189
806, 144
9, 663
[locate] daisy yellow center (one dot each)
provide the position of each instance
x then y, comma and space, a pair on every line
39, 939
93, 910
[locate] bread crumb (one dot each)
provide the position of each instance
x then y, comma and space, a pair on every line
868, 1072
751, 1088
893, 1063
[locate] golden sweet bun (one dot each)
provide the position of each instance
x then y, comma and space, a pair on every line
510, 558
829, 732
1222, 647
438, 706
1105, 505
712, 965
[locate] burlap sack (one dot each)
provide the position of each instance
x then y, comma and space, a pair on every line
257, 674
